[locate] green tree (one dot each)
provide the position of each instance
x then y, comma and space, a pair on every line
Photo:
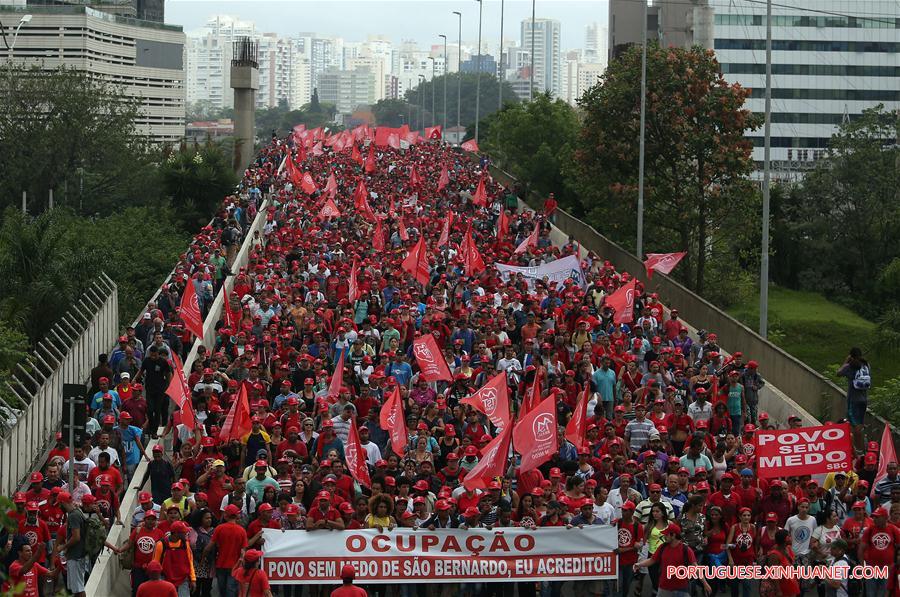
490, 90
195, 179
532, 140
696, 156
67, 131
392, 112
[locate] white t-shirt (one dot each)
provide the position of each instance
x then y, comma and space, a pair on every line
113, 455
604, 513
841, 591
825, 536
801, 532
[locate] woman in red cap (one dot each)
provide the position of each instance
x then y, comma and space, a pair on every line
251, 578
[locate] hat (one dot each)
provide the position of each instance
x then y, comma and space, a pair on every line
871, 458
702, 486
880, 511
628, 505
746, 472
64, 497
347, 571
144, 497
260, 464
36, 477
471, 511
859, 504
763, 416
672, 529
862, 483
179, 527
153, 565
253, 555
555, 473
151, 513
33, 506
323, 495
232, 510
471, 451
420, 485
772, 517
265, 507
218, 463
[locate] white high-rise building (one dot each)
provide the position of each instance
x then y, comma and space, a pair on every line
547, 53
595, 43
569, 79
301, 81
208, 64
831, 60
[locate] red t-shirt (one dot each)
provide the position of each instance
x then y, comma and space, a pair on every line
667, 556
215, 491
880, 545
349, 591
629, 534
144, 541
230, 538
251, 583
853, 530
30, 578
156, 588
316, 514
256, 526
36, 533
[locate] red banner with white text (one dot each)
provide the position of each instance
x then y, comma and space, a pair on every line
803, 451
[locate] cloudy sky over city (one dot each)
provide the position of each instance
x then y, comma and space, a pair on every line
418, 20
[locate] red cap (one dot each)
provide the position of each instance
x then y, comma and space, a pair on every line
628, 505
555, 473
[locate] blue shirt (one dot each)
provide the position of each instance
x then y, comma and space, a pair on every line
402, 372
97, 400
605, 382
129, 445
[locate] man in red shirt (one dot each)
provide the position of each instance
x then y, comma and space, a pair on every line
36, 491
229, 538
293, 442
670, 554
156, 587
33, 528
726, 499
263, 521
323, 515
143, 540
878, 547
249, 577
216, 484
348, 589
27, 572
631, 538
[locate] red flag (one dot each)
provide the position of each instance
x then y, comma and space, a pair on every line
474, 264
356, 455
433, 133
416, 262
353, 286
360, 195
470, 145
370, 160
531, 241
480, 196
502, 225
886, 454
445, 231
189, 310
532, 394
444, 180
622, 300
329, 210
576, 429
401, 225
432, 365
237, 424
307, 184
355, 155
231, 320
494, 457
394, 141
180, 394
393, 421
535, 436
337, 380
493, 400
662, 262
331, 186
317, 150
378, 237
414, 177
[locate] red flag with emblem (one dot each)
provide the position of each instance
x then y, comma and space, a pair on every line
331, 186
370, 160
535, 436
353, 286
662, 262
355, 155
414, 177
532, 394
307, 184
493, 400
472, 260
444, 179
416, 262
470, 145
622, 300
480, 196
494, 458
317, 150
392, 420
445, 231
531, 241
401, 229
189, 310
237, 423
576, 428
433, 133
359, 195
502, 225
432, 365
378, 237
180, 394
337, 380
329, 210
356, 455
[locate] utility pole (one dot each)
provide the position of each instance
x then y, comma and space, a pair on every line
444, 111
500, 60
421, 101
767, 148
531, 85
458, 77
478, 77
640, 207
433, 119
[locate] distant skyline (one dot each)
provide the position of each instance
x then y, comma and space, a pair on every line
417, 20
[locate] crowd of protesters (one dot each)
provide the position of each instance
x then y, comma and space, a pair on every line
668, 456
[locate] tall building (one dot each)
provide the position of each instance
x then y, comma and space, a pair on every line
144, 59
680, 23
595, 43
831, 60
547, 53
208, 53
348, 89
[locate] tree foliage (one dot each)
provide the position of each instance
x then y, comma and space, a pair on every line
64, 130
195, 179
532, 140
419, 99
696, 156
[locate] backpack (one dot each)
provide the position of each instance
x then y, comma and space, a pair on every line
95, 535
854, 585
862, 380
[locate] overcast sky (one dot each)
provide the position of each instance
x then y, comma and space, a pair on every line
419, 20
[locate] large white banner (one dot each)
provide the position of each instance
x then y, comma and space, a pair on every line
555, 271
441, 556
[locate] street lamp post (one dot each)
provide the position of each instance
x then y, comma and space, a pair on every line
421, 101
458, 76
478, 77
444, 111
500, 60
433, 119
11, 46
531, 85
640, 206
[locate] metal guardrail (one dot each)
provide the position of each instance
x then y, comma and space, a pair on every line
65, 355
